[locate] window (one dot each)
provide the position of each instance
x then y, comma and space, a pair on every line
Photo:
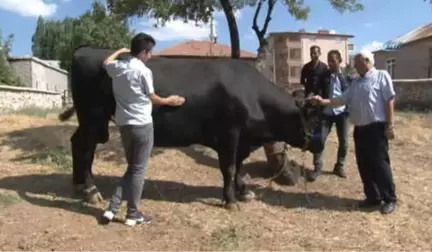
295, 72
295, 38
391, 66
295, 54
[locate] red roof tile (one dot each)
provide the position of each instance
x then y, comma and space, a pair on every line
197, 48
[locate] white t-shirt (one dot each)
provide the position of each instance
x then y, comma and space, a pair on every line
132, 83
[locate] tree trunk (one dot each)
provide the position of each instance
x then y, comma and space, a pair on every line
233, 29
277, 158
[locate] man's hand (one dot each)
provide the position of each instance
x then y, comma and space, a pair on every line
315, 99
123, 50
175, 100
390, 132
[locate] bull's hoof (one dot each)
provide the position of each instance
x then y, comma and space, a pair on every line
95, 198
248, 195
232, 207
92, 195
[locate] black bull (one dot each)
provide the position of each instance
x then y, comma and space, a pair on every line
230, 107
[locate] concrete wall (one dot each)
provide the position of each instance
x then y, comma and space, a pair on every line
412, 60
413, 93
16, 98
38, 74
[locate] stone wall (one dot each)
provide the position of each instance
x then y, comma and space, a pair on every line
16, 98
413, 93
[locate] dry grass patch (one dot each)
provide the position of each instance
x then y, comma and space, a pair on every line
183, 191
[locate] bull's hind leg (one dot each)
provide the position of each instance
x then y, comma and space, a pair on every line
83, 150
227, 152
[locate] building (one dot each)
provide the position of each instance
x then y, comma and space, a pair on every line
408, 56
202, 49
39, 74
289, 51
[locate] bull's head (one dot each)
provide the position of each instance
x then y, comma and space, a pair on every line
310, 127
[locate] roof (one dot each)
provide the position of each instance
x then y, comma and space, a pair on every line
197, 48
324, 33
418, 33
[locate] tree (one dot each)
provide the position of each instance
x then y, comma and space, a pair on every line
7, 75
56, 40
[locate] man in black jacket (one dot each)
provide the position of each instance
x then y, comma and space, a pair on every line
331, 84
312, 71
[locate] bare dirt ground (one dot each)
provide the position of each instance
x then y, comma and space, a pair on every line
38, 212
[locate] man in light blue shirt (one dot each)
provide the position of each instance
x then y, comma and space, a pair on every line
371, 101
132, 83
332, 83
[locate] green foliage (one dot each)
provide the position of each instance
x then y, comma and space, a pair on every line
36, 111
56, 40
58, 158
7, 75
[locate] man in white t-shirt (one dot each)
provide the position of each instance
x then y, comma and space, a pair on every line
133, 90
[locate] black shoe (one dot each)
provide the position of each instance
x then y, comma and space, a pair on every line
340, 172
311, 176
388, 207
137, 218
365, 204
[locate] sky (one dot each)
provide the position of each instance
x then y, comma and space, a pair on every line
382, 20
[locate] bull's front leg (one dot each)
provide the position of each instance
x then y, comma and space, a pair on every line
227, 152
83, 151
244, 194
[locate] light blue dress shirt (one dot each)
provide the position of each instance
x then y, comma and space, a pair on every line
367, 97
335, 91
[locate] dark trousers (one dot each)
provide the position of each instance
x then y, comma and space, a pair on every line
327, 122
373, 161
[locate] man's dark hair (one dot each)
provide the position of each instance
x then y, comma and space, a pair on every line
315, 47
142, 42
337, 54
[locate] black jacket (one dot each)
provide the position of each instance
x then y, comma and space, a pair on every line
310, 76
325, 81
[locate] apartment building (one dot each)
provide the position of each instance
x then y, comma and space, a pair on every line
289, 51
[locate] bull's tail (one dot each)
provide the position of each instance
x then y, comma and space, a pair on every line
67, 114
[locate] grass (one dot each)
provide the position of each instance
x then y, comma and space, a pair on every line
59, 158
36, 111
278, 221
8, 199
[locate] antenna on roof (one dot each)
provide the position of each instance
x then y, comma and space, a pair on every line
213, 35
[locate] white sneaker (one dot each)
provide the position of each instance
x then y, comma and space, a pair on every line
138, 218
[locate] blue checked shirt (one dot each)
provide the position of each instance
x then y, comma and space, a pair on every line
367, 97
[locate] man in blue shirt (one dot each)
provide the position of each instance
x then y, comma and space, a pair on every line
332, 84
371, 105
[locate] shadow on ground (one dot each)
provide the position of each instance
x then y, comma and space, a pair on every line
31, 140
54, 190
